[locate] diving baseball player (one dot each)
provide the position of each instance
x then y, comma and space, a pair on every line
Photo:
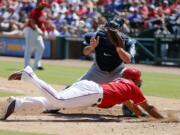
33, 33
85, 93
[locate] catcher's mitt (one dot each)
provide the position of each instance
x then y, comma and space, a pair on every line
115, 37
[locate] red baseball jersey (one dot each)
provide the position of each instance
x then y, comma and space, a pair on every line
120, 90
39, 17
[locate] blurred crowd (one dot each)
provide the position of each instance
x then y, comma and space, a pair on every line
73, 18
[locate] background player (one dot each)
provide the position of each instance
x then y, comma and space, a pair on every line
85, 93
34, 32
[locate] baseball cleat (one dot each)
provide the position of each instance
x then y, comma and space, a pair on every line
15, 76
40, 68
22, 75
10, 108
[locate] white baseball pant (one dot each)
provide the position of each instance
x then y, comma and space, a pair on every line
80, 94
34, 41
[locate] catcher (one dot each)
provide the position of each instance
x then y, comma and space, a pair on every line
112, 50
84, 93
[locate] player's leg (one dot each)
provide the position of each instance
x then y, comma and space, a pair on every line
28, 46
20, 76
47, 90
54, 110
116, 73
81, 93
39, 49
16, 104
28, 102
95, 74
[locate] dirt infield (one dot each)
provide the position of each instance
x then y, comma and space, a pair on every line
89, 121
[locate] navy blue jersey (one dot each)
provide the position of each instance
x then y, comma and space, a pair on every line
106, 56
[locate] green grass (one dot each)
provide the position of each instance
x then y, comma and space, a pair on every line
61, 74
164, 85
5, 132
154, 84
55, 74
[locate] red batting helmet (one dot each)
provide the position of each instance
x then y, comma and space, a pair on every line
132, 74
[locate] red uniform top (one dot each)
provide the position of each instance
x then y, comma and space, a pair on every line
120, 90
39, 17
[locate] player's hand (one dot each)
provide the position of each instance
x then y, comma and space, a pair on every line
94, 42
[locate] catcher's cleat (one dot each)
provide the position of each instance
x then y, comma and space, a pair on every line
15, 76
10, 108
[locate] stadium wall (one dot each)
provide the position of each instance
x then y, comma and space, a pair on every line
14, 46
163, 49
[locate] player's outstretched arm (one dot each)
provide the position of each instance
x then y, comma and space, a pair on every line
151, 110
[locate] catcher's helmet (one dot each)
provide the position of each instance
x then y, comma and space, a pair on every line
132, 74
115, 23
112, 24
